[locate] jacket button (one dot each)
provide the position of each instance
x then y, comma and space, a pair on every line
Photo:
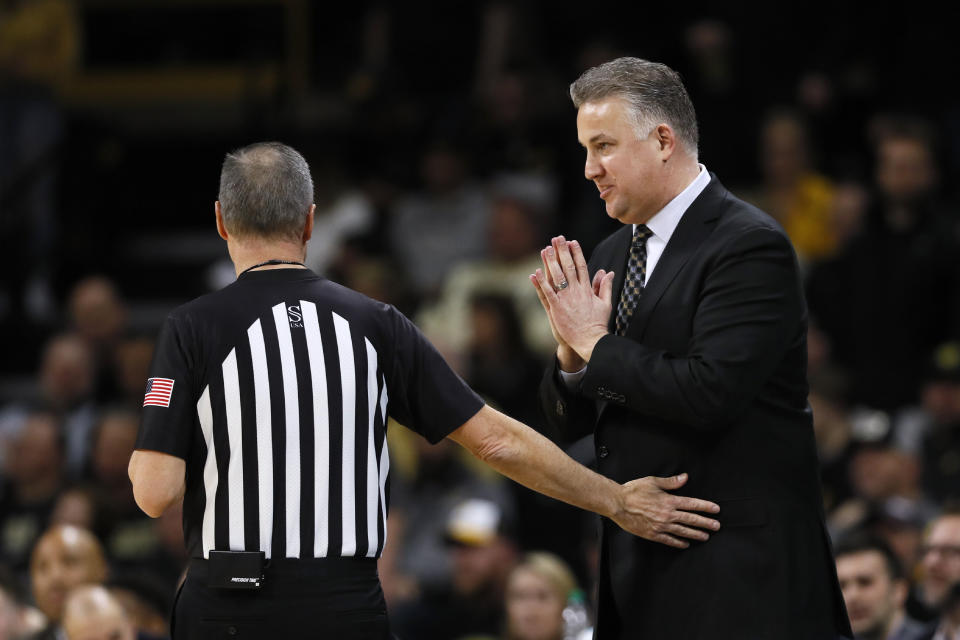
560, 408
603, 452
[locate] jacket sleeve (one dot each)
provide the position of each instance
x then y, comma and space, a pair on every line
750, 310
568, 414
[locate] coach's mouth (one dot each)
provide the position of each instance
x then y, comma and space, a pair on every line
605, 191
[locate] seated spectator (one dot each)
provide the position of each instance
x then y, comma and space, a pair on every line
483, 554
792, 192
17, 618
941, 441
874, 590
131, 362
897, 277
34, 476
940, 585
99, 317
91, 613
422, 224
520, 213
146, 599
65, 557
131, 538
538, 590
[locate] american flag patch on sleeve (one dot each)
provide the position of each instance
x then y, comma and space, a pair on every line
158, 392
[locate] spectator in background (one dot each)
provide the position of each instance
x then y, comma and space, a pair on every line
433, 230
520, 213
146, 601
99, 317
940, 402
940, 585
131, 363
91, 613
792, 192
875, 590
417, 561
483, 553
17, 618
65, 557
132, 538
891, 295
34, 476
537, 593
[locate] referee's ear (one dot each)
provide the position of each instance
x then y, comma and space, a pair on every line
221, 228
307, 227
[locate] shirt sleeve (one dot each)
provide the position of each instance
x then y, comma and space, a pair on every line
425, 394
169, 408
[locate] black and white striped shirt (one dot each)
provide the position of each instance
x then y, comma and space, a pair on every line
282, 385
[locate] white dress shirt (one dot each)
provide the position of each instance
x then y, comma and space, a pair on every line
662, 225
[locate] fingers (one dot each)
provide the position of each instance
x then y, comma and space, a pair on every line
670, 541
545, 289
540, 293
562, 250
597, 280
605, 291
670, 483
696, 504
581, 263
694, 520
552, 267
686, 532
546, 259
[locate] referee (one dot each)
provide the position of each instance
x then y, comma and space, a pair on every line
266, 411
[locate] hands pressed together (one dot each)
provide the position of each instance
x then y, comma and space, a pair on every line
579, 312
577, 308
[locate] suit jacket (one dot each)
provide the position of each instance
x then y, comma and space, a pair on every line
710, 379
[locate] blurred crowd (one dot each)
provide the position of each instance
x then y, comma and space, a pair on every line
450, 160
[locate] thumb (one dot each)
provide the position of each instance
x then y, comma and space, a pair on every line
606, 287
671, 483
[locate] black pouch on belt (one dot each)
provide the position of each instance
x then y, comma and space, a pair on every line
235, 569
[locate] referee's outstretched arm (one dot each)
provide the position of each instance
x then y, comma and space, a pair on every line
642, 507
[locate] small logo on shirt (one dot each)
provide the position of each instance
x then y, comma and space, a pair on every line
295, 316
159, 392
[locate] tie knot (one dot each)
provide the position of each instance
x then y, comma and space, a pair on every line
641, 233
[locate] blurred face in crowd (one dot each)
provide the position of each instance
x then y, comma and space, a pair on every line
66, 373
628, 170
133, 364
96, 309
64, 558
784, 150
872, 597
477, 569
905, 170
534, 608
116, 438
941, 560
35, 454
91, 613
513, 233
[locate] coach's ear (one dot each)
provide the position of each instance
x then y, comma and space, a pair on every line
221, 228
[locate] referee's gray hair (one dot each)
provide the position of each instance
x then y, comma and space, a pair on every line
265, 190
652, 91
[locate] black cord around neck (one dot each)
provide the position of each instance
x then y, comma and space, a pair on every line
266, 262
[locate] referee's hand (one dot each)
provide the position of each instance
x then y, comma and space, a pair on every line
649, 511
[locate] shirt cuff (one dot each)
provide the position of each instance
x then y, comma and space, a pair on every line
571, 380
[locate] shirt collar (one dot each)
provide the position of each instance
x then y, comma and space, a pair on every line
664, 222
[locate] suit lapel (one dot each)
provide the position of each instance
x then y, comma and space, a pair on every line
694, 227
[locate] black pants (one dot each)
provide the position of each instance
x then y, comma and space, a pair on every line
324, 599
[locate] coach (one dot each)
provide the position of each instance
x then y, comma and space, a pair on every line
266, 410
682, 347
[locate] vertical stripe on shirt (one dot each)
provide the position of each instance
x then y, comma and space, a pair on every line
292, 431
261, 386
349, 398
210, 475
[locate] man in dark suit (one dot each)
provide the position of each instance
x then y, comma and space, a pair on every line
682, 347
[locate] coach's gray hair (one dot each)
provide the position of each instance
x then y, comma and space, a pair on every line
653, 92
265, 190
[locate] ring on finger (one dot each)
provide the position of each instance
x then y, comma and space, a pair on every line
563, 285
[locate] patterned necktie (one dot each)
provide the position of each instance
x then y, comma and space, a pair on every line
635, 278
